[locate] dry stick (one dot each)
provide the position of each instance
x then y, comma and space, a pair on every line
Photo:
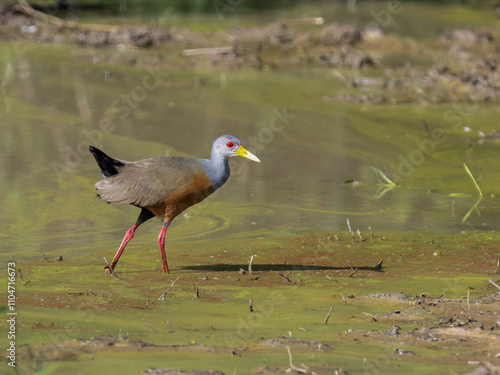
207, 51
162, 297
196, 291
350, 230
45, 258
292, 366
284, 276
343, 298
353, 272
111, 268
26, 8
498, 267
251, 306
151, 329
20, 274
359, 235
468, 304
305, 21
250, 265
328, 315
303, 370
370, 315
492, 282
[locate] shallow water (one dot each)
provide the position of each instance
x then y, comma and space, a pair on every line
59, 99
54, 110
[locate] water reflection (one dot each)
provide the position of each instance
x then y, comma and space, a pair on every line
60, 100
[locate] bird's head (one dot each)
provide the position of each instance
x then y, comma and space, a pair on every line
228, 146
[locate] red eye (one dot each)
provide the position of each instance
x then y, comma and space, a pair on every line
230, 144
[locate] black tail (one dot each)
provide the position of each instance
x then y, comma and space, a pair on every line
106, 163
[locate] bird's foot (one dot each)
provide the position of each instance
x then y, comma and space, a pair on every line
110, 268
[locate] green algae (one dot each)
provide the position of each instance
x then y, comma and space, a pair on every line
64, 304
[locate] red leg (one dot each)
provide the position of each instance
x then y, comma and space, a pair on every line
161, 245
128, 236
144, 216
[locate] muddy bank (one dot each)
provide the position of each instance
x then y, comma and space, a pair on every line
460, 66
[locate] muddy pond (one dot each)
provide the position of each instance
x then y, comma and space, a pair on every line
342, 185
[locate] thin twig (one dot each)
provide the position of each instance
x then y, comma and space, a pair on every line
370, 315
350, 230
305, 21
359, 235
20, 274
492, 282
26, 8
250, 306
328, 315
343, 298
284, 276
498, 267
295, 368
353, 272
151, 329
111, 268
196, 291
250, 265
468, 304
207, 51
162, 297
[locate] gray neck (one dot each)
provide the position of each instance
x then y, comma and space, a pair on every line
217, 170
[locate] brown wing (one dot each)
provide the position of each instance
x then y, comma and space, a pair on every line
150, 182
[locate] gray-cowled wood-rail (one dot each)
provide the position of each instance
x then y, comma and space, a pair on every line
164, 186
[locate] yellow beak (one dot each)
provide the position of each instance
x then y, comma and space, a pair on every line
242, 151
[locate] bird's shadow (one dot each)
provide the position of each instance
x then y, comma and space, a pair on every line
220, 267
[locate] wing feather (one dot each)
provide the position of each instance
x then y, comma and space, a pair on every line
149, 182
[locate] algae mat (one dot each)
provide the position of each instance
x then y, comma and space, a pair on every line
411, 314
